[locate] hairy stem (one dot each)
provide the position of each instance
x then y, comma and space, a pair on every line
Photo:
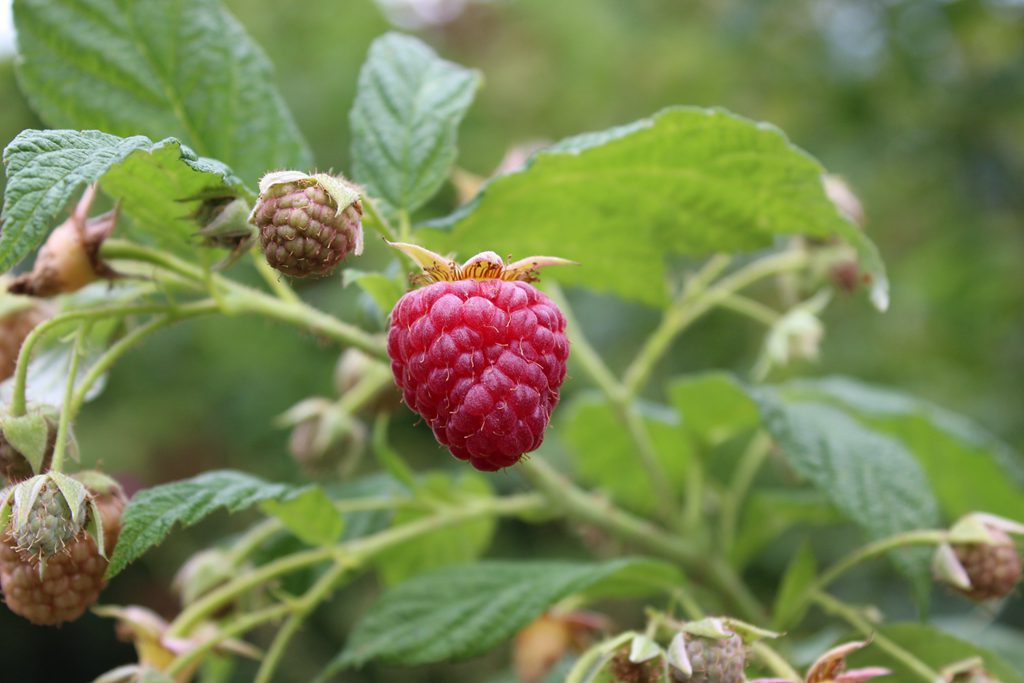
695, 301
855, 619
355, 552
579, 505
237, 627
274, 279
66, 413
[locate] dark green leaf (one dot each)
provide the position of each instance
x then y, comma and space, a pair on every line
685, 181
870, 477
310, 515
605, 457
970, 468
152, 513
461, 612
405, 119
184, 68
935, 648
157, 182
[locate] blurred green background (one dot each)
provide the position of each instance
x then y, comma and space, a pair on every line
918, 104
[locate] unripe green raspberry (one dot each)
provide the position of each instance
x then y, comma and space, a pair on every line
307, 224
49, 526
714, 660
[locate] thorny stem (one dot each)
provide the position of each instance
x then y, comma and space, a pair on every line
239, 298
353, 552
64, 424
580, 505
696, 300
854, 618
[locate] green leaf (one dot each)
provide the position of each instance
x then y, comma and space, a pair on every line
935, 648
605, 457
158, 183
768, 513
184, 68
29, 435
970, 468
714, 406
310, 515
453, 545
686, 181
800, 574
461, 612
405, 118
871, 478
385, 291
152, 513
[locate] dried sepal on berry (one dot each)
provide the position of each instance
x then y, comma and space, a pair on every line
69, 260
486, 265
308, 223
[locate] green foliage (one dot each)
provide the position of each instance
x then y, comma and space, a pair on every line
453, 545
871, 478
969, 468
598, 440
933, 647
714, 406
157, 181
686, 181
404, 120
310, 515
181, 68
461, 612
790, 606
385, 291
153, 512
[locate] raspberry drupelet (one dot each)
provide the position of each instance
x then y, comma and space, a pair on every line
480, 354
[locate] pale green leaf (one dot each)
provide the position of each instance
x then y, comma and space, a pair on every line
870, 477
310, 515
789, 603
159, 183
405, 118
714, 406
452, 545
460, 612
605, 457
933, 647
385, 291
153, 512
182, 68
686, 181
28, 435
970, 468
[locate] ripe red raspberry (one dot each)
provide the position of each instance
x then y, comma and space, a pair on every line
480, 355
307, 224
994, 570
73, 578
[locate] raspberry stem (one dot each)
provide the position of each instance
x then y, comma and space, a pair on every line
63, 425
851, 616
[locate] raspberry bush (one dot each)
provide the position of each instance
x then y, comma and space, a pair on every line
718, 526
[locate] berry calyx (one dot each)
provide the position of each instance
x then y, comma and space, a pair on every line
480, 354
712, 660
27, 443
307, 224
61, 587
